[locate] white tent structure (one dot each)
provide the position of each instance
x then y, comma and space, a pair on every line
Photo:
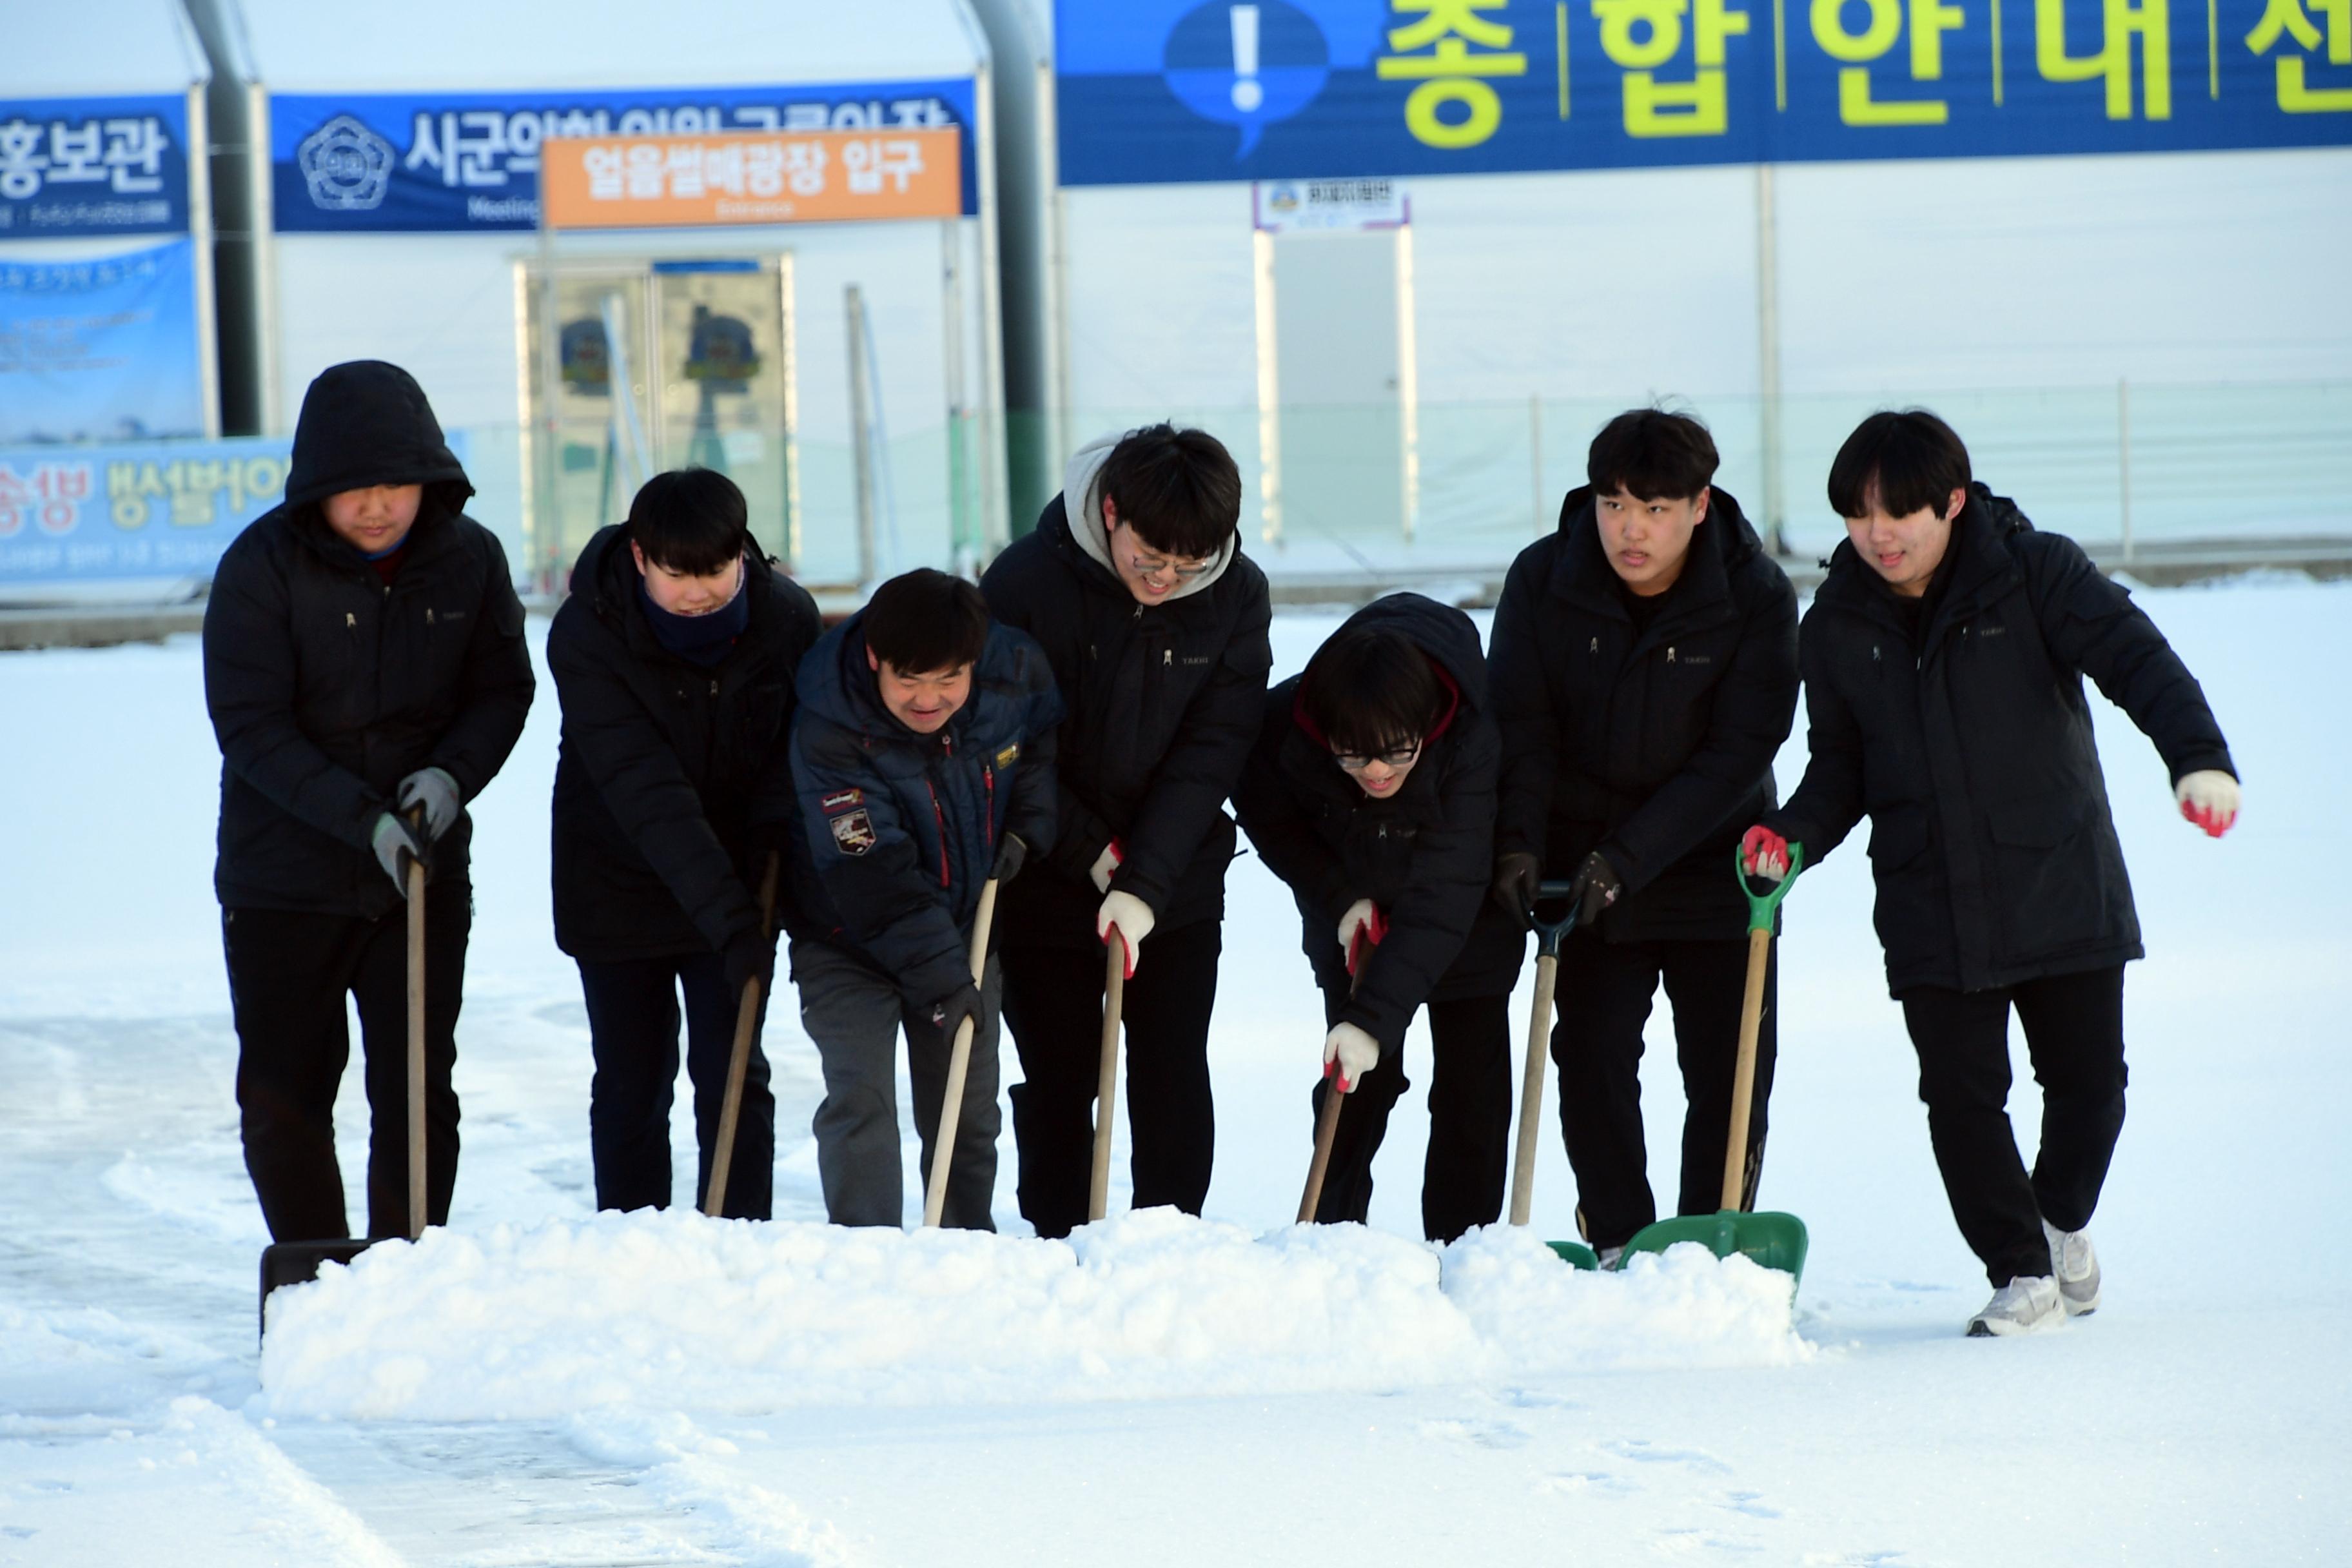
2127, 341
731, 347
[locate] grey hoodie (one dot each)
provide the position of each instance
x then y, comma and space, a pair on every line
1078, 479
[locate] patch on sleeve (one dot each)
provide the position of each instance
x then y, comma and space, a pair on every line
1010, 754
842, 800
853, 834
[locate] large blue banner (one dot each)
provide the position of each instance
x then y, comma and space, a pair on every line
1174, 89
103, 350
77, 167
469, 161
151, 509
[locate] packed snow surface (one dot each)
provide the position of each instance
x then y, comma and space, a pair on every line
677, 1312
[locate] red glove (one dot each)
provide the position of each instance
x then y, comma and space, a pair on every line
1363, 925
1764, 853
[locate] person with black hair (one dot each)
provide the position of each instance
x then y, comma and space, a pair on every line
1645, 671
1371, 794
1155, 626
674, 659
1944, 658
923, 760
365, 662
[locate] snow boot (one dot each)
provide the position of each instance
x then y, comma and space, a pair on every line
2076, 1267
2026, 1305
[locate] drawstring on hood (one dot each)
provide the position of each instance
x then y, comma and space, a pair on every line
1082, 504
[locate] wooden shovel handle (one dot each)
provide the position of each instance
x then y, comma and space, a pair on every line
1743, 1073
739, 1060
1327, 1127
1531, 1087
1107, 1079
417, 1042
935, 1198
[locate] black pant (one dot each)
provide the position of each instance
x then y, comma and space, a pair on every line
1604, 998
633, 1018
2074, 1037
288, 975
1052, 1006
1469, 1122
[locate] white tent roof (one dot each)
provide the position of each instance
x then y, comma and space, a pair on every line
97, 48
304, 45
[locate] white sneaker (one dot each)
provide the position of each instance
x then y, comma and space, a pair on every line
2026, 1305
2076, 1267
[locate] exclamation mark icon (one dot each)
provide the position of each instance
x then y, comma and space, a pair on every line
1247, 93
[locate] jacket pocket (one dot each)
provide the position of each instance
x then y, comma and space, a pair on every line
2053, 887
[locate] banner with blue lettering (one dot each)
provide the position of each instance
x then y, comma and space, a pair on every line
72, 167
1175, 90
103, 350
469, 161
148, 510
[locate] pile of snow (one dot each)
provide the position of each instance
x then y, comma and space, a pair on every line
678, 1312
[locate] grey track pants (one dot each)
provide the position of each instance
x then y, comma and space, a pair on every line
853, 1012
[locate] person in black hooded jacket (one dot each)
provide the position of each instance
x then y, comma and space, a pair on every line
1645, 671
364, 658
674, 659
1155, 626
1944, 658
1371, 793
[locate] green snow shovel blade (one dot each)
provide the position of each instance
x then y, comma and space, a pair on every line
1548, 935
1774, 1240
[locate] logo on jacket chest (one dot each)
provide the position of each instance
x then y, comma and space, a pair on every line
852, 831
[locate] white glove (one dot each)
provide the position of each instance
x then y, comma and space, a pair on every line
436, 792
1356, 1052
1105, 864
1131, 918
2208, 798
1361, 917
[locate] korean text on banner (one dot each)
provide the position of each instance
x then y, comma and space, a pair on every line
70, 168
683, 182
102, 349
146, 510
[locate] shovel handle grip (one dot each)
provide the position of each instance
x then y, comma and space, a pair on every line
1549, 934
1762, 907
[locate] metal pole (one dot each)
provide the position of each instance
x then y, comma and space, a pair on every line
1535, 460
861, 444
2123, 458
1768, 357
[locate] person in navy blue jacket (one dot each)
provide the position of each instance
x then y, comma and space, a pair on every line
922, 756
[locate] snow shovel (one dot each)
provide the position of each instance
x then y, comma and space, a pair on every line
1549, 934
747, 1024
935, 1199
297, 1262
1774, 1240
1107, 1082
1327, 1120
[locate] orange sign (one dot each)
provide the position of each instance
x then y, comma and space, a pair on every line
749, 177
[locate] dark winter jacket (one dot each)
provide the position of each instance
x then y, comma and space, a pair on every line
674, 780
898, 831
1424, 856
1163, 706
1970, 751
1653, 747
327, 686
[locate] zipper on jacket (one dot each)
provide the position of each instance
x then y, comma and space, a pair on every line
940, 819
1670, 653
352, 619
1596, 645
987, 822
428, 614
1167, 658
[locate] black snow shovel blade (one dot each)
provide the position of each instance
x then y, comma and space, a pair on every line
298, 1263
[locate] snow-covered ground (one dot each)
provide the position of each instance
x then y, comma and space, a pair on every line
540, 1385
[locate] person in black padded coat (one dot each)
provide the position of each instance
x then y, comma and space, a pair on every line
1371, 793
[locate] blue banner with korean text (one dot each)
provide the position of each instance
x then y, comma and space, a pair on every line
103, 349
144, 509
1152, 91
74, 167
459, 163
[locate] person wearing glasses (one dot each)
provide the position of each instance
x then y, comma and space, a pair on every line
1155, 626
1371, 793
1644, 670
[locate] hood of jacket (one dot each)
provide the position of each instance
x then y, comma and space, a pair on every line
1720, 546
1082, 506
608, 575
367, 423
835, 685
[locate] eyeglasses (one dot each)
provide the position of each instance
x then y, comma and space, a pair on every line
1394, 757
1159, 567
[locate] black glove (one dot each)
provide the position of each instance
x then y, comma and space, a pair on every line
1010, 856
948, 1013
1596, 888
749, 956
395, 844
1517, 875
